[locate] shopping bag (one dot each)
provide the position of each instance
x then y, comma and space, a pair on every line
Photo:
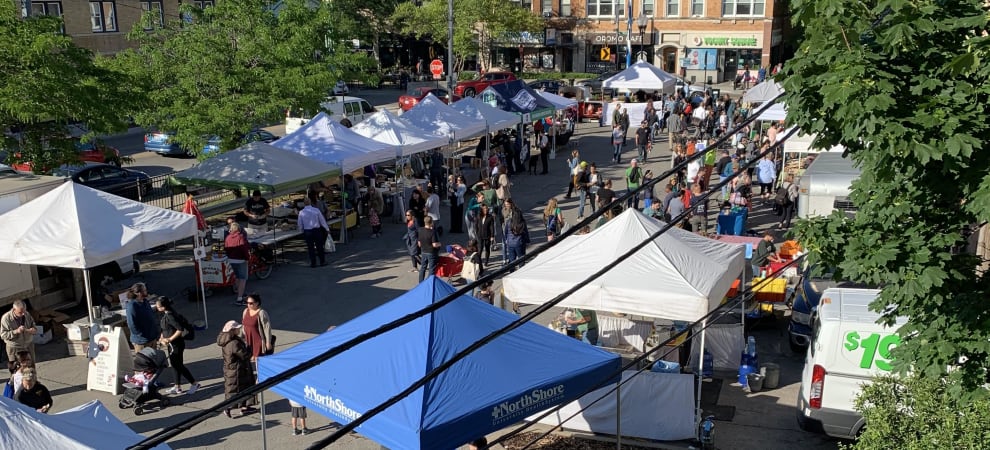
329, 246
470, 269
8, 390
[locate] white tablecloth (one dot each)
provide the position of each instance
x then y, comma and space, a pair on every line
616, 332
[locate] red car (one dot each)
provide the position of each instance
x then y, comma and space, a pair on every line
473, 87
416, 95
92, 151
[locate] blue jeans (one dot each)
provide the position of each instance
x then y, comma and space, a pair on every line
427, 266
590, 336
633, 202
582, 197
616, 151
515, 252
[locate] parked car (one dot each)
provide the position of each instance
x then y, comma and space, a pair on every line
473, 87
806, 298
340, 88
163, 143
595, 84
93, 151
551, 86
416, 95
128, 183
258, 135
352, 108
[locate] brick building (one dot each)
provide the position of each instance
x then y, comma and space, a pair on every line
699, 39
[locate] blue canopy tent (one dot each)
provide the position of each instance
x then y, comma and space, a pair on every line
517, 97
527, 370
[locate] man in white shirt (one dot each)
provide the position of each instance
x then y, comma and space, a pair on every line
315, 230
433, 207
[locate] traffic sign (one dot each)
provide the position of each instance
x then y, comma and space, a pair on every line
436, 68
605, 54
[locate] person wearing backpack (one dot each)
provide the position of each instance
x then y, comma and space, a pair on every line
634, 177
176, 330
787, 196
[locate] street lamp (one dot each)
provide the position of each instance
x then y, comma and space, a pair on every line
615, 9
641, 23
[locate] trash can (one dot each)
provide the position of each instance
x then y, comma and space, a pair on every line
771, 375
755, 382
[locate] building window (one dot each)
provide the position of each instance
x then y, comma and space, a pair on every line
606, 8
53, 9
565, 8
103, 16
674, 8
155, 7
527, 5
697, 8
743, 7
649, 7
202, 3
546, 6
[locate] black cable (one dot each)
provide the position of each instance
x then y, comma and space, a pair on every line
722, 311
344, 430
250, 392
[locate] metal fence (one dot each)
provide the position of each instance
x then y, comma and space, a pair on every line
158, 191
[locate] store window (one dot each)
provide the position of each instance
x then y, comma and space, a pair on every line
649, 7
697, 8
155, 8
743, 7
604, 8
565, 8
103, 17
673, 8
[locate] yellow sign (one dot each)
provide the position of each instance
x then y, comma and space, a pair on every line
605, 54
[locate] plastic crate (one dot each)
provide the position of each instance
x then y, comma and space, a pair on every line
771, 291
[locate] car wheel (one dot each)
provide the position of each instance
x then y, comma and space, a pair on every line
469, 92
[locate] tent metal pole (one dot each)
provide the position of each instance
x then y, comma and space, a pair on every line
618, 415
264, 423
343, 205
89, 295
202, 290
701, 368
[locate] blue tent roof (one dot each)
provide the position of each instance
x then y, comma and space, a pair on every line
518, 374
516, 96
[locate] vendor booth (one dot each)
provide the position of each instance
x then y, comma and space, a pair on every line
90, 426
679, 276
775, 113
526, 370
517, 97
407, 139
494, 118
642, 76
434, 115
763, 92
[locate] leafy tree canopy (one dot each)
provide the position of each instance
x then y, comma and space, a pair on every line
475, 22
235, 66
905, 87
48, 83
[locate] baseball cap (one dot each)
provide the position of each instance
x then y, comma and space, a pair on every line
584, 164
634, 161
231, 325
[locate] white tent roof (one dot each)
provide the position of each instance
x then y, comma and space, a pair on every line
763, 92
642, 75
90, 426
775, 113
78, 227
324, 139
496, 119
678, 276
433, 114
408, 139
257, 166
559, 102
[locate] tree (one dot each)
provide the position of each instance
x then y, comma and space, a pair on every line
476, 23
904, 87
366, 20
49, 83
228, 68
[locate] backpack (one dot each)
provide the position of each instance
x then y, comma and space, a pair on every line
188, 332
494, 181
688, 109
634, 176
782, 197
678, 107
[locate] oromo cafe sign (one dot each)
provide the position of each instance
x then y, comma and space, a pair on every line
723, 41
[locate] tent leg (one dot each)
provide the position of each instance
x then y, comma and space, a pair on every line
89, 295
618, 416
343, 204
264, 424
701, 366
202, 291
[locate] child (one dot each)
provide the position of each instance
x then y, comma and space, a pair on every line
298, 414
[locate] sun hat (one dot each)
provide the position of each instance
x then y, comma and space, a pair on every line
231, 325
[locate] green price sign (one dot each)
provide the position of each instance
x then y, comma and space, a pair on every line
876, 349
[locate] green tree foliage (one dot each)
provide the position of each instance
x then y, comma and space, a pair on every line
914, 413
904, 86
476, 22
47, 83
235, 66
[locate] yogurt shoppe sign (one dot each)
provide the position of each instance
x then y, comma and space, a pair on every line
724, 40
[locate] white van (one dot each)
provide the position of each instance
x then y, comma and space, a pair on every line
825, 186
847, 349
353, 108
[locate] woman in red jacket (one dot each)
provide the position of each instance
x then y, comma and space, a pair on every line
238, 252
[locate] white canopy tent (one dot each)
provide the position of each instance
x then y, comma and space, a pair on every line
388, 128
494, 118
433, 114
775, 113
642, 75
763, 92
90, 426
257, 166
77, 227
559, 103
326, 140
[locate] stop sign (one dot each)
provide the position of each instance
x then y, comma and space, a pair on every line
436, 68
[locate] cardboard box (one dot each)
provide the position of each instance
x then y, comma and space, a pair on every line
77, 331
77, 348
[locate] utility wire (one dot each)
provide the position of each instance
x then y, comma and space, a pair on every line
723, 310
183, 426
344, 430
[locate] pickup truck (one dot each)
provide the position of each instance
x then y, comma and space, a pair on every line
472, 87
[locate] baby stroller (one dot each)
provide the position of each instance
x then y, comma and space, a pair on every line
142, 385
